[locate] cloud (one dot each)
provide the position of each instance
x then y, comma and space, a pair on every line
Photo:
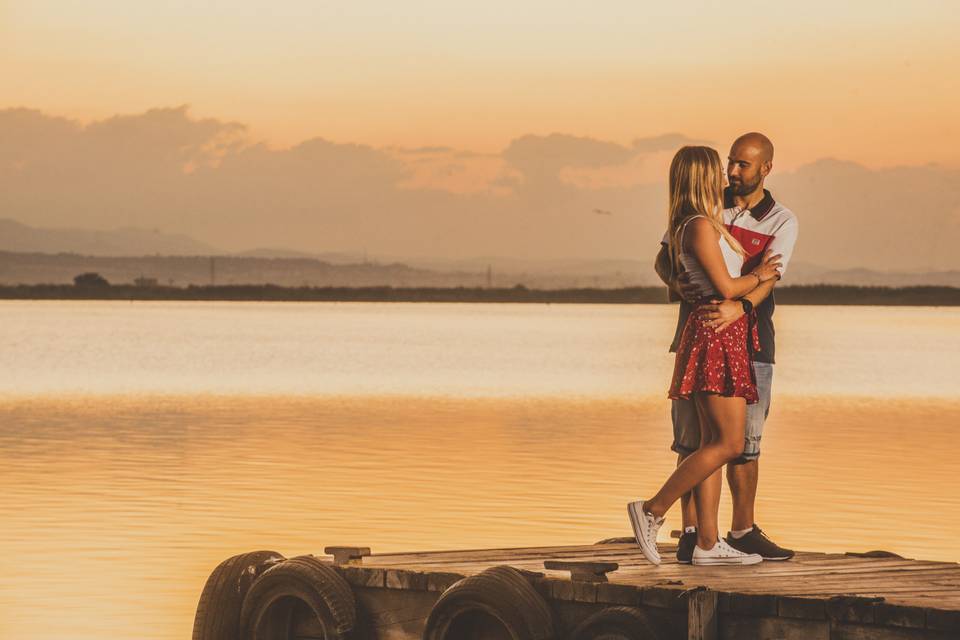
558, 161
206, 178
171, 136
30, 136
122, 171
541, 158
664, 142
421, 150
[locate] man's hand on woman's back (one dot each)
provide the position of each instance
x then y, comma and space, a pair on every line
720, 314
687, 290
678, 284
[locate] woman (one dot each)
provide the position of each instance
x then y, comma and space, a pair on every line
712, 368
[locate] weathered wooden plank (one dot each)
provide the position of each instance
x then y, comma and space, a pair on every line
392, 613
485, 554
802, 563
836, 586
852, 609
583, 571
863, 590
702, 615
804, 608
811, 586
442, 580
558, 588
584, 591
566, 590
664, 597
835, 570
841, 631
929, 573
364, 576
900, 616
613, 593
841, 569
754, 582
403, 579
894, 594
794, 590
582, 554
945, 620
848, 586
740, 627
835, 567
753, 604
803, 587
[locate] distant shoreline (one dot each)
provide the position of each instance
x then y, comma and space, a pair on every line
799, 295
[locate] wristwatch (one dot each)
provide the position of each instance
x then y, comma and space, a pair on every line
746, 304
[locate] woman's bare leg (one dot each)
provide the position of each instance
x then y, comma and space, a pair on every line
706, 495
728, 415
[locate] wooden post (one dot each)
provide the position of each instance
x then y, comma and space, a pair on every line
347, 555
702, 615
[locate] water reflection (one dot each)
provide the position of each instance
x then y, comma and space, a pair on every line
115, 509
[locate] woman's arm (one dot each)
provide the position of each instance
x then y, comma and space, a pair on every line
703, 243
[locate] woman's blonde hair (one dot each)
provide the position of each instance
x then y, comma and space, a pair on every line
696, 189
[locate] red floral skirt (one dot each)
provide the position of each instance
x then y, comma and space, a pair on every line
717, 362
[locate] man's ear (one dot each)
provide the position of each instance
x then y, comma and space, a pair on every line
766, 168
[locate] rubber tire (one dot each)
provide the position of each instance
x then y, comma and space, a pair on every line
218, 612
315, 583
616, 623
502, 592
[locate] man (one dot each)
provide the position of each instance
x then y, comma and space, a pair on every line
761, 224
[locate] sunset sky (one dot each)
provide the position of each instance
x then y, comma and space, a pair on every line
429, 128
875, 83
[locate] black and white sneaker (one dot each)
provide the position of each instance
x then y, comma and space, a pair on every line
757, 542
688, 540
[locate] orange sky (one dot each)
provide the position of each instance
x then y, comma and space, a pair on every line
853, 80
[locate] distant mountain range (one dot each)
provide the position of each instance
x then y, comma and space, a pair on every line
802, 273
28, 255
18, 237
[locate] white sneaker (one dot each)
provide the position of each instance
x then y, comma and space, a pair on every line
645, 528
722, 553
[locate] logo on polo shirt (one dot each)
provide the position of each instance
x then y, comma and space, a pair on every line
755, 242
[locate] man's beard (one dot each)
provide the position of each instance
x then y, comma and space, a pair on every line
743, 188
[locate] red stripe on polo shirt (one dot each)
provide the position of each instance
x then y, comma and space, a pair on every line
753, 243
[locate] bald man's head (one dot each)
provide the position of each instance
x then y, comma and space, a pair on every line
756, 142
749, 163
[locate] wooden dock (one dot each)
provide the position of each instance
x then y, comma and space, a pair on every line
604, 591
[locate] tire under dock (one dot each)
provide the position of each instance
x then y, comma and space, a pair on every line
605, 591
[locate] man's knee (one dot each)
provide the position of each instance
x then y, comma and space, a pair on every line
742, 469
686, 427
745, 460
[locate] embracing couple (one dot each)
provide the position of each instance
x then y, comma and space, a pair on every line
724, 250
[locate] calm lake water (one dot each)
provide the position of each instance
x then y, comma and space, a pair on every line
142, 443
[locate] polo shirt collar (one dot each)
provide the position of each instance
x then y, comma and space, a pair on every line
759, 210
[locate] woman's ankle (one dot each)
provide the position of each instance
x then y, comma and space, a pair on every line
706, 542
651, 507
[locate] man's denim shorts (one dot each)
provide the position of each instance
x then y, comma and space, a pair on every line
686, 424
